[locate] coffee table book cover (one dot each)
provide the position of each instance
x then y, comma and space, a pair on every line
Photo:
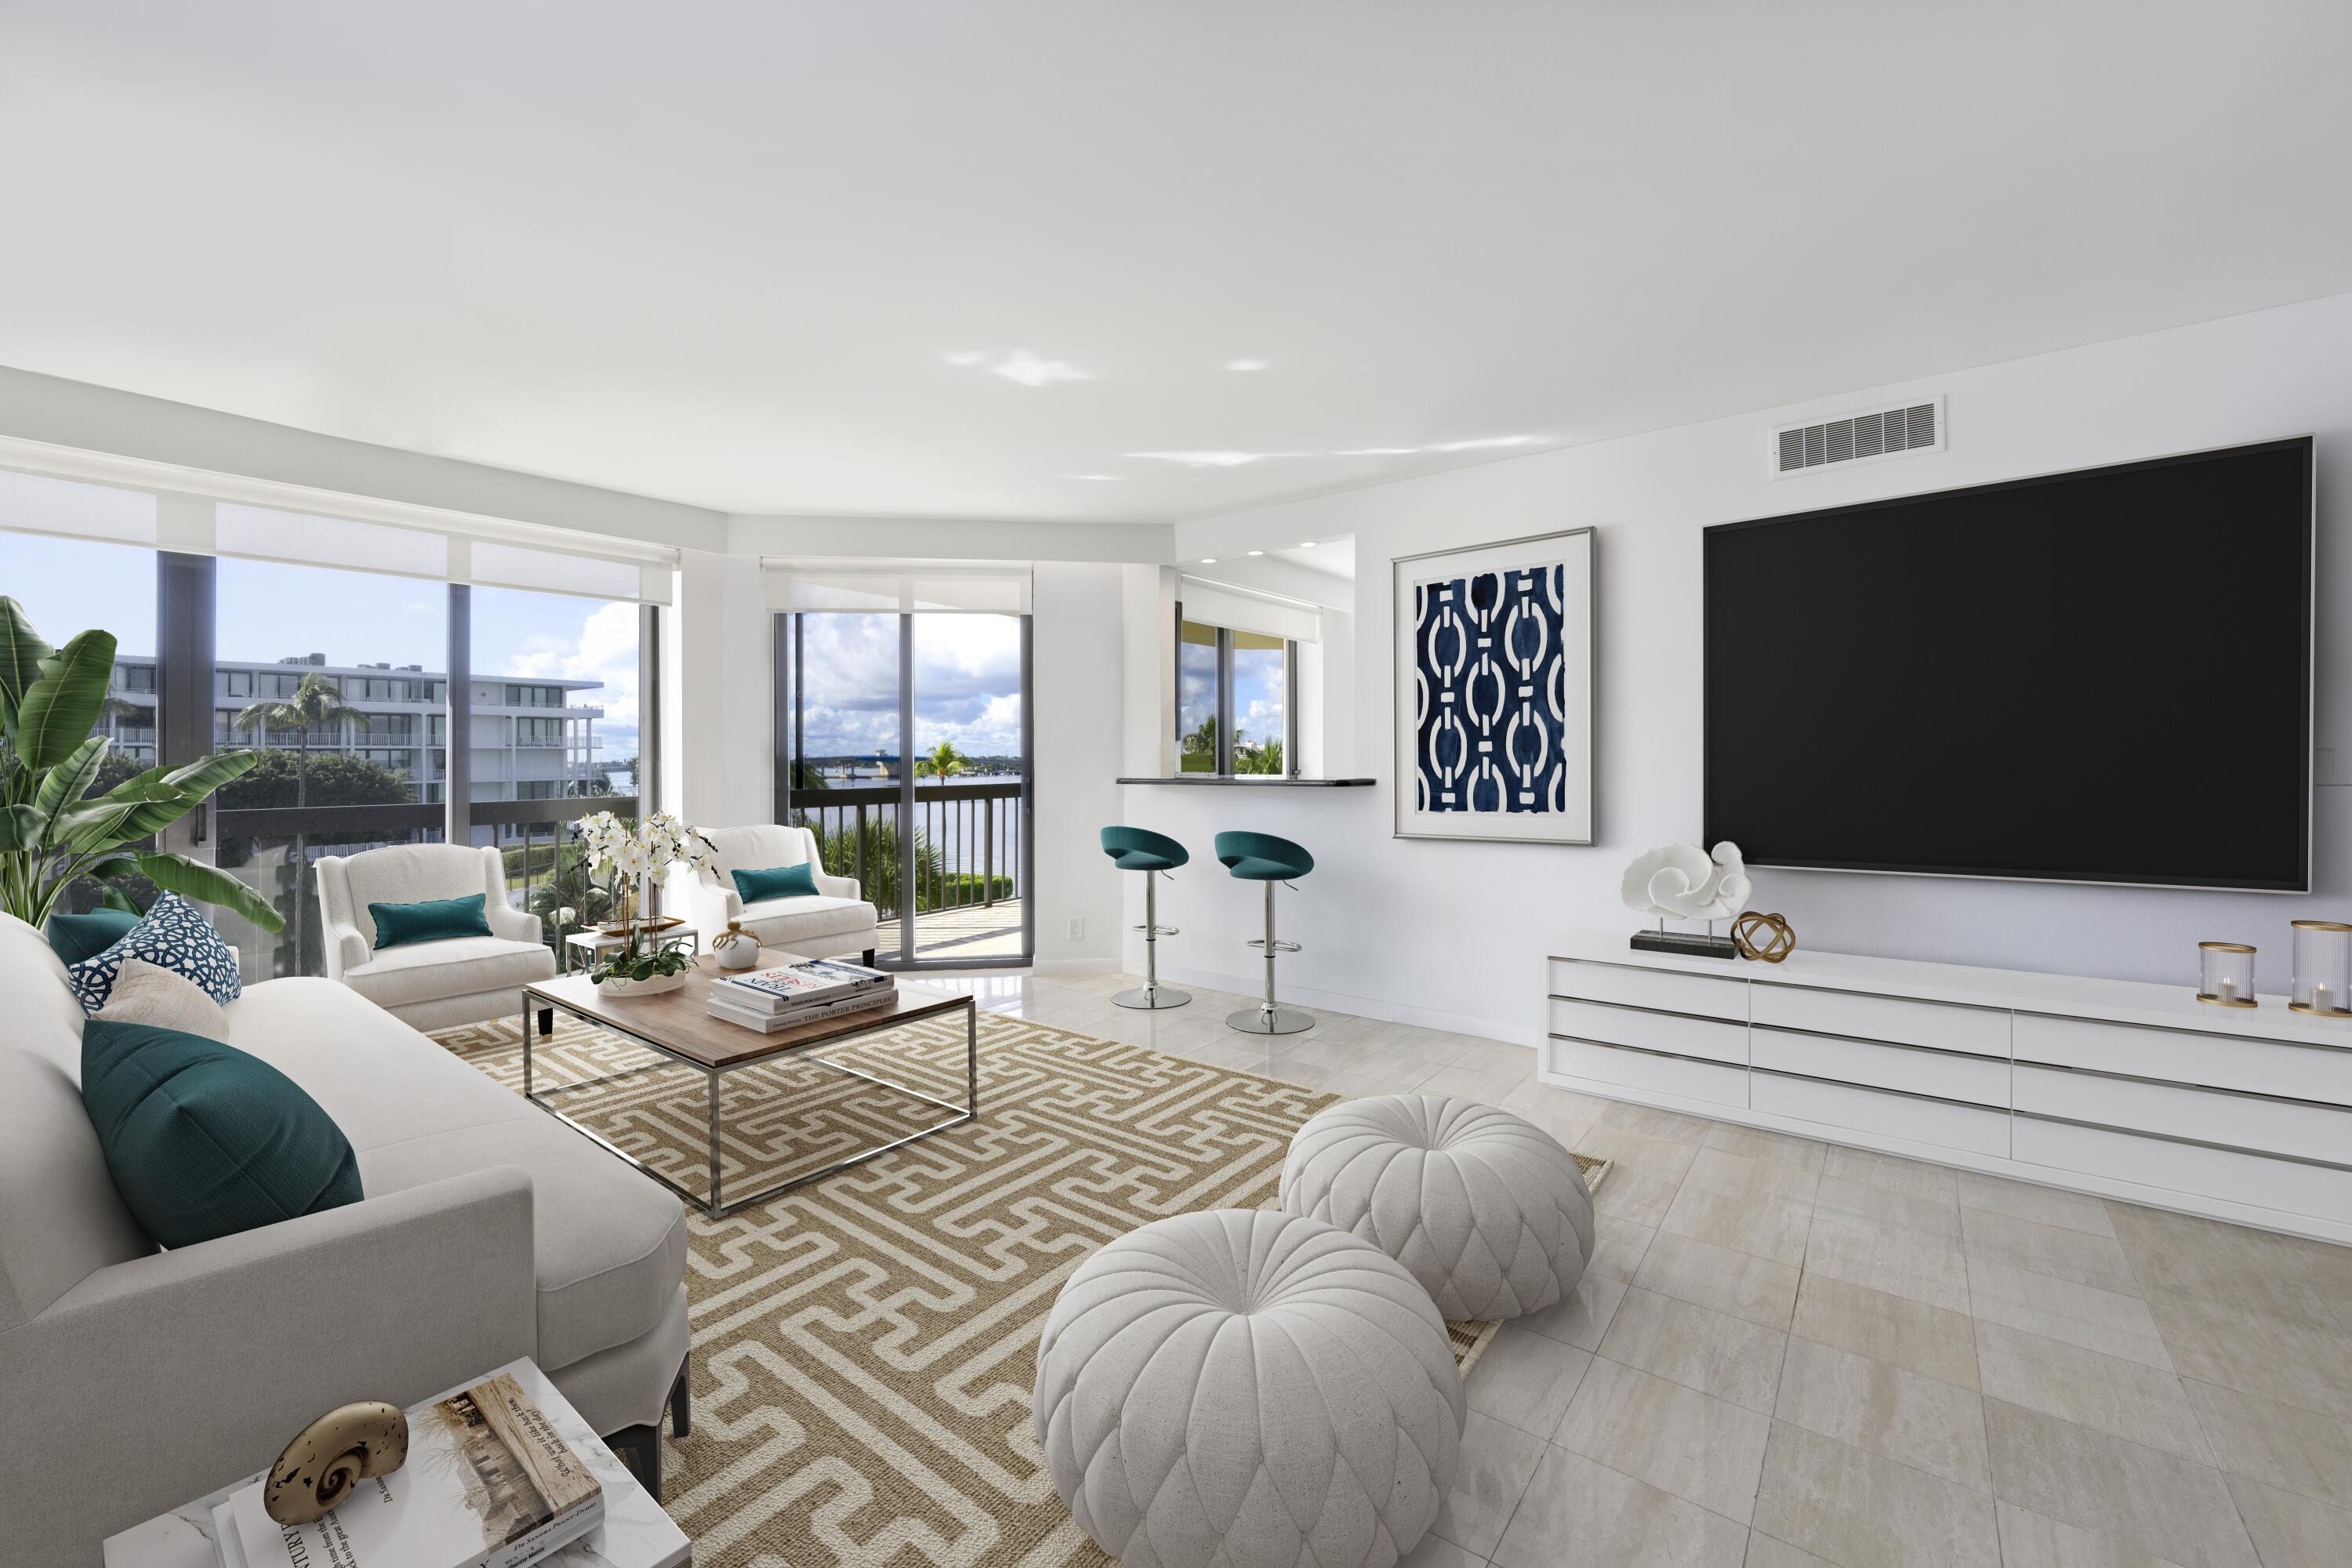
808, 983
489, 1483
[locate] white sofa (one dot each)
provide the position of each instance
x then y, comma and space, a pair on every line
833, 922
136, 1378
430, 985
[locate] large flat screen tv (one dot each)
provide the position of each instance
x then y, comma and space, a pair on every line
2093, 677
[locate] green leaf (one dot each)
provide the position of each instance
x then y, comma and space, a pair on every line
70, 779
21, 652
205, 774
114, 898
206, 885
62, 705
133, 810
20, 829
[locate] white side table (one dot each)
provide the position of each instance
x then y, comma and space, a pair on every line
635, 1532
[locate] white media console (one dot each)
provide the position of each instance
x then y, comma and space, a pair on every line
2121, 1089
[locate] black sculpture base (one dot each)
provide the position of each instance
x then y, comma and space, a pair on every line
1690, 944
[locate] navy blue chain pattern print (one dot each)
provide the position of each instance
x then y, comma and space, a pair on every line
1490, 693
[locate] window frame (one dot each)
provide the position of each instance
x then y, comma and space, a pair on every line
1223, 707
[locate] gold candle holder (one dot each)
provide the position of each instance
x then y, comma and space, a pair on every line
2323, 969
2227, 974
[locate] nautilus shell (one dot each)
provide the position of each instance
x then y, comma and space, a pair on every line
316, 1473
1682, 881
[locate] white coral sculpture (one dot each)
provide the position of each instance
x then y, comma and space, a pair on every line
1682, 881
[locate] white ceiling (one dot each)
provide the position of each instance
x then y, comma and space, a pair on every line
972, 260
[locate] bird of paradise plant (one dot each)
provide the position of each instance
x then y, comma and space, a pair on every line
51, 831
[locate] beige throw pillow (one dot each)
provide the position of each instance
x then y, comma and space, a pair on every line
148, 993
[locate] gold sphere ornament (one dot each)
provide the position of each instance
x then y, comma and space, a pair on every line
1765, 938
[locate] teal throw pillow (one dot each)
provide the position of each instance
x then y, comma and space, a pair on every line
434, 919
78, 937
777, 882
205, 1141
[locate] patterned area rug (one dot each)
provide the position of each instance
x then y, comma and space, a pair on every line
865, 1346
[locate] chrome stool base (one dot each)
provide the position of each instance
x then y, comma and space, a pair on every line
1268, 1020
1153, 998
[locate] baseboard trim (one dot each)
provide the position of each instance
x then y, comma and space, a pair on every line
1371, 1007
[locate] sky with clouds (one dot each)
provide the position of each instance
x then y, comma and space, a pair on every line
967, 684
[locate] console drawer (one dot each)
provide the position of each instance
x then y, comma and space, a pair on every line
1891, 1115
1983, 1031
2318, 1191
1675, 1032
1643, 1069
2315, 1132
1913, 1070
2225, 1061
1669, 990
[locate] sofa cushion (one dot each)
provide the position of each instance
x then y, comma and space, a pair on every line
77, 937
782, 921
431, 920
758, 846
205, 1141
610, 1242
765, 884
144, 994
174, 934
458, 966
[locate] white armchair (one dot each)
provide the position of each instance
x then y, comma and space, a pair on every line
833, 921
430, 985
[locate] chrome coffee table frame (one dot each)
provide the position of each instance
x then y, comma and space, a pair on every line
853, 1027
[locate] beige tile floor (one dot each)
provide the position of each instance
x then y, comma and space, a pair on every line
1786, 1353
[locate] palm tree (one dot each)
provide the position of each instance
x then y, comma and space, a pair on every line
943, 760
318, 700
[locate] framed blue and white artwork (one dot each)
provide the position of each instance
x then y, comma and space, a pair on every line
1494, 691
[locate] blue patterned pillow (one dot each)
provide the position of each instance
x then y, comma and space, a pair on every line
173, 936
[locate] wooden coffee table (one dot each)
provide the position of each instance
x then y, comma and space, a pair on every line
678, 1026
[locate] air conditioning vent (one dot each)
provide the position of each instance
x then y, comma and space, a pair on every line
1882, 433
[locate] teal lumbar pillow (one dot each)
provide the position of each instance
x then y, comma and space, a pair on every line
777, 882
434, 919
205, 1141
78, 937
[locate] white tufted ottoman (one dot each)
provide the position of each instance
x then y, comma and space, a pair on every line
1487, 1210
1250, 1389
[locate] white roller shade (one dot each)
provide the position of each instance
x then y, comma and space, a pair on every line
893, 587
532, 557
1222, 604
34, 503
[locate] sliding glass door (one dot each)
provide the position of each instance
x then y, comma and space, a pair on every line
904, 742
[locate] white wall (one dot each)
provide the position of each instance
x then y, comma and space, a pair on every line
718, 679
1455, 932
1078, 681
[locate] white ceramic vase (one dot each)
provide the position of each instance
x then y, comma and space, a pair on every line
655, 986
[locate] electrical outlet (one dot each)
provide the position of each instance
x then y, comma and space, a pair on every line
1077, 928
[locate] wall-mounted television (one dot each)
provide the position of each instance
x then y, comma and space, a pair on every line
2095, 677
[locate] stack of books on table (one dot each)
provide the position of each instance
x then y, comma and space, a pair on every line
489, 1483
793, 994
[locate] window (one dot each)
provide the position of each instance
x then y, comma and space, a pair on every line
1234, 710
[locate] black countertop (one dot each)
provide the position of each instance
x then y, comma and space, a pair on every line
1255, 781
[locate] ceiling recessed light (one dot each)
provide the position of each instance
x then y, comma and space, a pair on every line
1246, 365
1484, 442
1379, 452
1306, 544
1098, 478
1028, 370
1208, 560
1257, 553
1207, 459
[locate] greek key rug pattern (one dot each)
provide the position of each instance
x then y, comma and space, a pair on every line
864, 1347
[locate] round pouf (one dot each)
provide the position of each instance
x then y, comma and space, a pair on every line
1250, 1389
1487, 1210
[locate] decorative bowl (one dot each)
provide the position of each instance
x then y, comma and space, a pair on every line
655, 986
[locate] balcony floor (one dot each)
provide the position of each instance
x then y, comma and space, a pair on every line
975, 931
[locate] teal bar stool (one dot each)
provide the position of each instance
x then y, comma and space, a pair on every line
1155, 855
1263, 858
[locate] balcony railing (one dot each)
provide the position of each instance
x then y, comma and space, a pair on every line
968, 848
